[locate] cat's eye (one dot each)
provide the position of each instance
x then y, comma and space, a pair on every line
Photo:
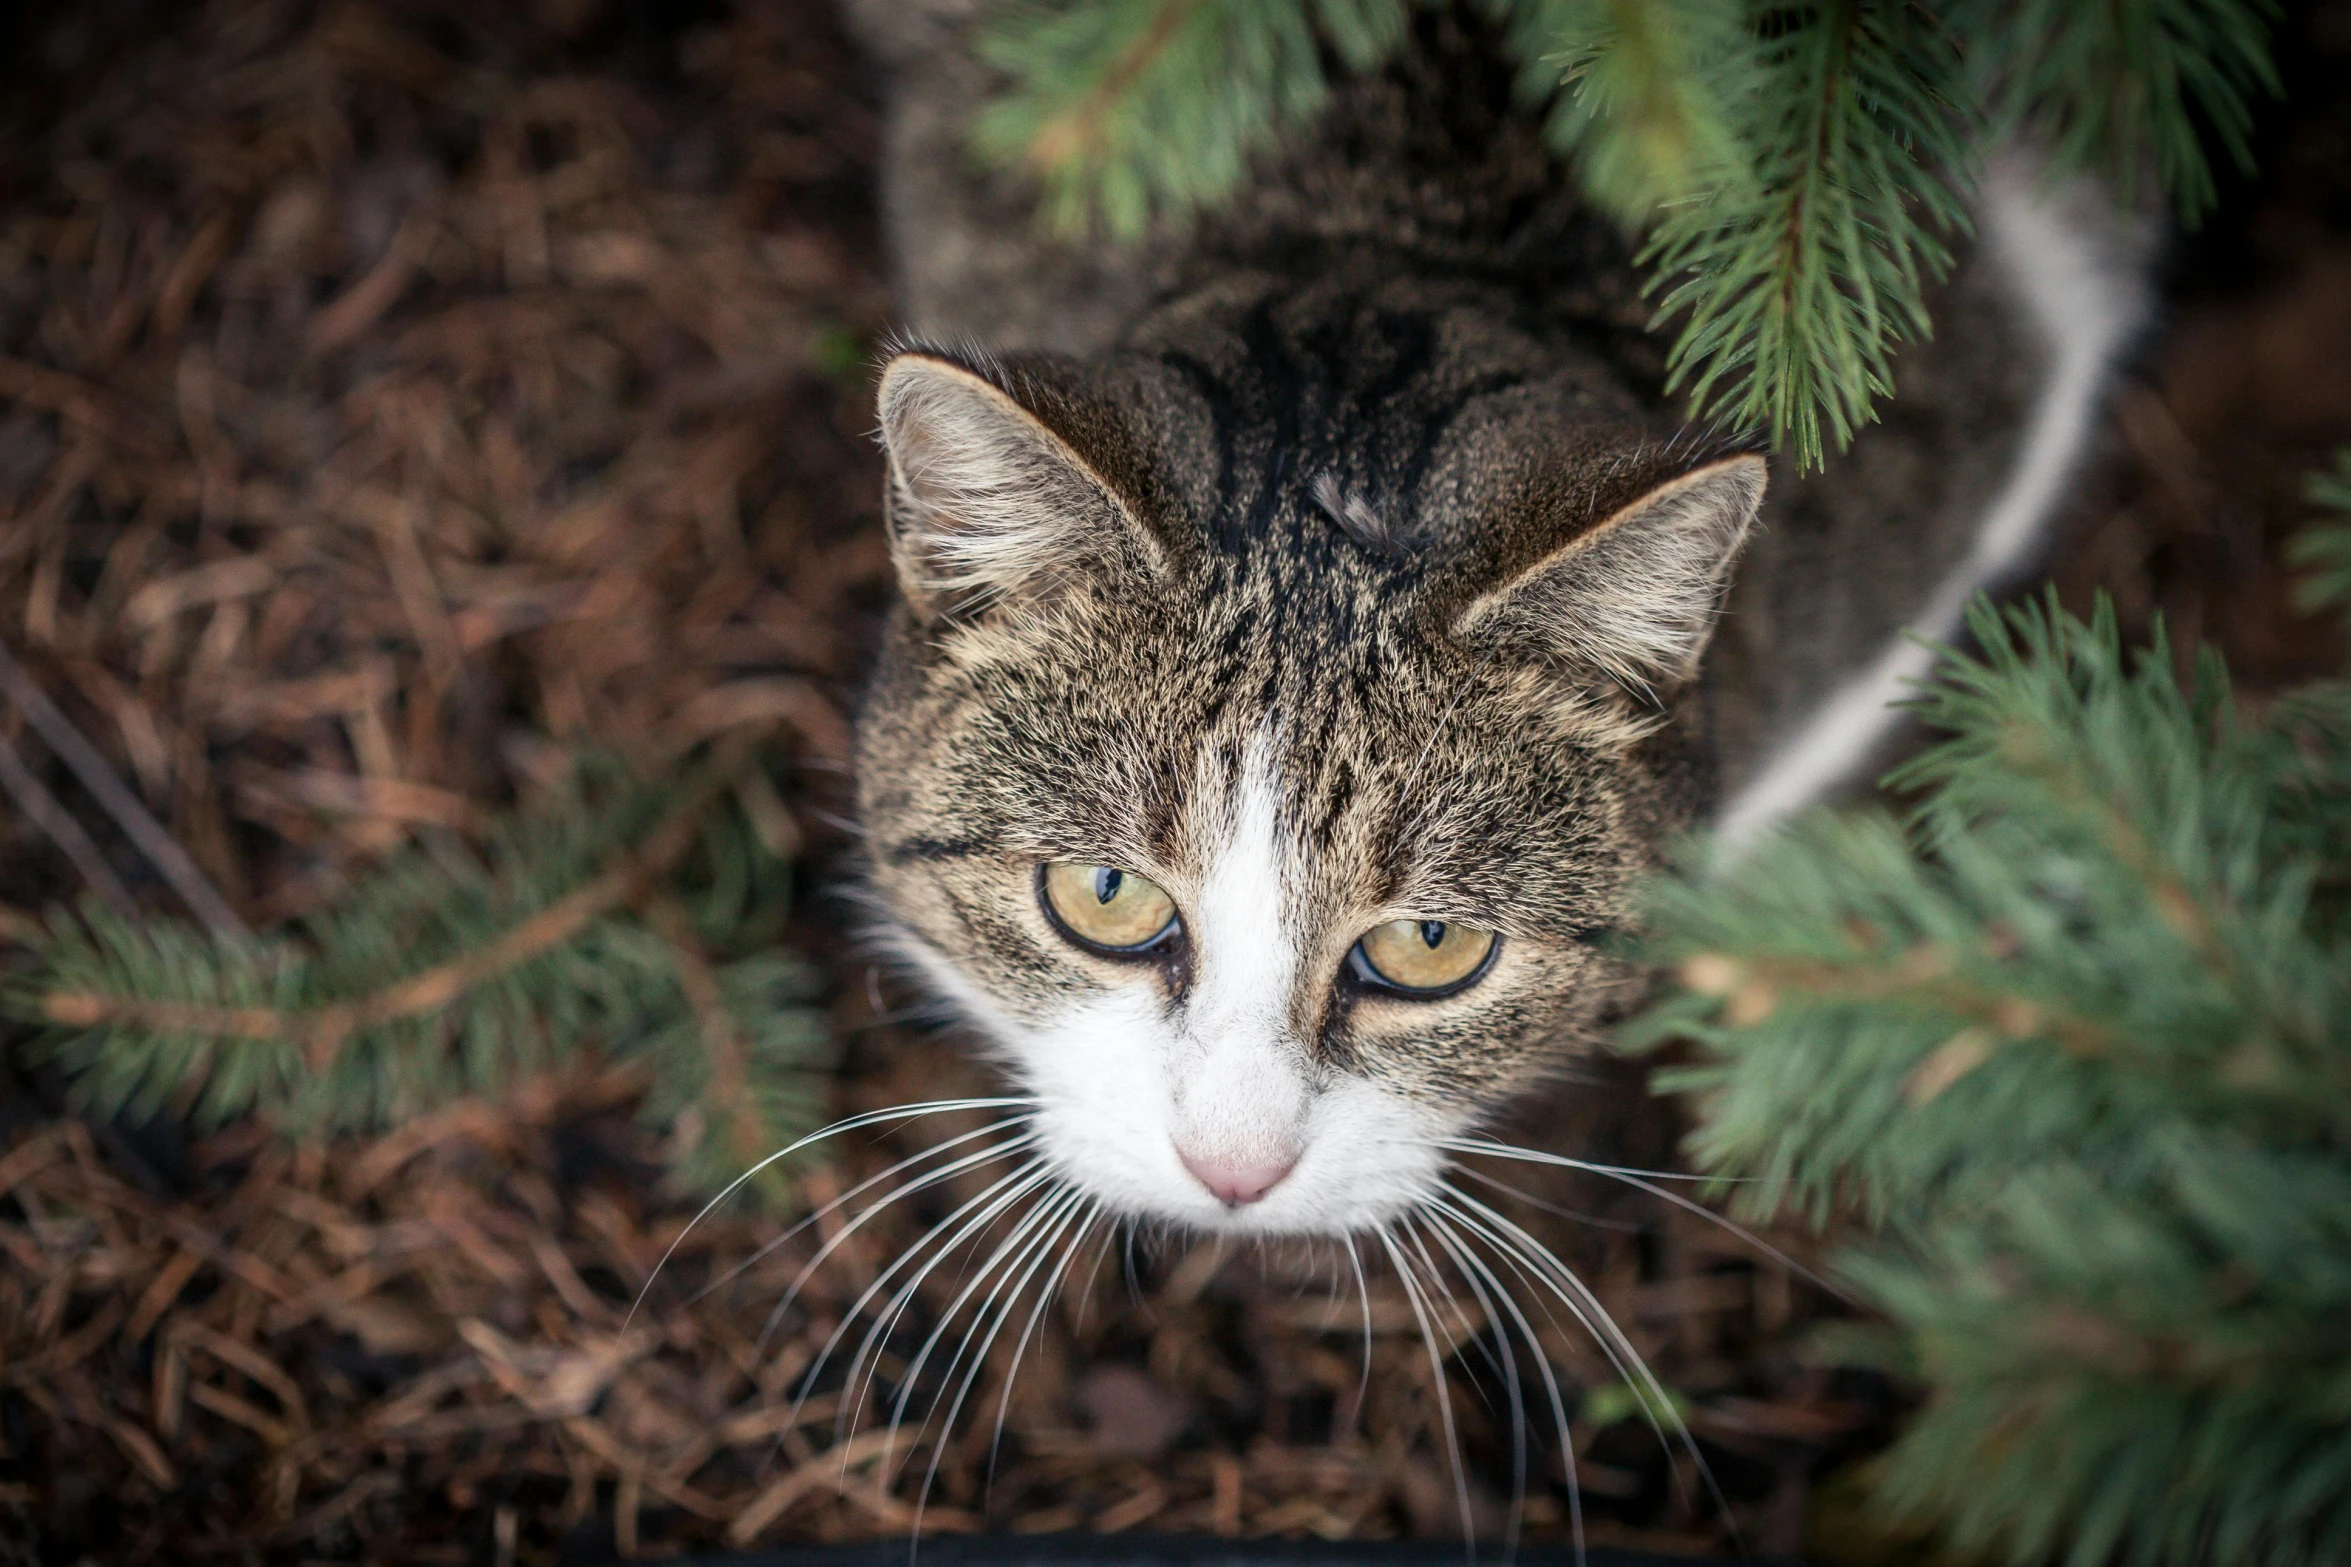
1424, 959
1106, 908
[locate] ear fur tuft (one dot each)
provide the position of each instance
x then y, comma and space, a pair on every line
1634, 597
986, 502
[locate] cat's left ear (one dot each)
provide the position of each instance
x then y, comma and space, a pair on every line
990, 497
1633, 598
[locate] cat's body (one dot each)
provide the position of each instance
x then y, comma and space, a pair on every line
1335, 570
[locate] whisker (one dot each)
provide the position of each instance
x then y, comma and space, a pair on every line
1487, 1145
1510, 1382
1644, 1180
1592, 1220
1077, 1241
1020, 1183
1073, 1208
1362, 1293
872, 1211
867, 1118
1647, 1387
1029, 1238
991, 1199
819, 1215
1477, 1267
1443, 1391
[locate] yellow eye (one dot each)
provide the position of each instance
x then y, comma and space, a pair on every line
1104, 907
1423, 957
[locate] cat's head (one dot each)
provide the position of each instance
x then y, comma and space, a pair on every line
1258, 762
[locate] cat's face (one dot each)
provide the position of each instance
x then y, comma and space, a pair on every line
1262, 809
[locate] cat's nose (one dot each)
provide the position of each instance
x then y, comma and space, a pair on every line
1236, 1184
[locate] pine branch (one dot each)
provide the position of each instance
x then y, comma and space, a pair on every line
2077, 1039
446, 975
1659, 95
1132, 111
2323, 550
2128, 89
1797, 168
1793, 284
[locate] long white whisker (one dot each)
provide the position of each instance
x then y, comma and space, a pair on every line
1029, 1237
1648, 1384
866, 1215
819, 1215
1645, 1180
1444, 1394
991, 1198
1532, 1262
1470, 1262
1019, 1185
1362, 1293
1518, 1194
867, 1118
1077, 1241
1079, 1209
1487, 1145
1510, 1381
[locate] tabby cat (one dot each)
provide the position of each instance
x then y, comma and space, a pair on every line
1303, 640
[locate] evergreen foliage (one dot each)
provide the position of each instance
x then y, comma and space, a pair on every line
1797, 170
2075, 1039
641, 920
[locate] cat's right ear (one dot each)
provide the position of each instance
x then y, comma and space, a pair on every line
988, 503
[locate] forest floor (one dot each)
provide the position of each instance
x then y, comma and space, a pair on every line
400, 398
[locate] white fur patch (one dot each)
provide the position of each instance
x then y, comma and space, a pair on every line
2079, 277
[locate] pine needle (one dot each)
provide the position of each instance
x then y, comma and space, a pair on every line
2076, 1040
449, 974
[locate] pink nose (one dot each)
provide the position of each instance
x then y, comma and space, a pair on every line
1234, 1185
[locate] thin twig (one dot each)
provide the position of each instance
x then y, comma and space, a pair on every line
161, 849
43, 810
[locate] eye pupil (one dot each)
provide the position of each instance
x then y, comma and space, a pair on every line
1432, 934
1106, 883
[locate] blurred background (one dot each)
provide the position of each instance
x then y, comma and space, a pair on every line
401, 400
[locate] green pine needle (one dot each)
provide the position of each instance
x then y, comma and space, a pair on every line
1134, 111
1794, 283
2323, 550
2130, 89
1796, 167
2076, 1038
1660, 95
453, 972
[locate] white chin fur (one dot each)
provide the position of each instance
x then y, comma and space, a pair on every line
1107, 1109
1108, 1117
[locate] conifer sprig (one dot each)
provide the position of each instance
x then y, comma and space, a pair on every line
2077, 1037
1798, 170
1130, 111
1793, 279
631, 918
2323, 550
2131, 91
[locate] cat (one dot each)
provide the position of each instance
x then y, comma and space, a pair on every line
1303, 640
